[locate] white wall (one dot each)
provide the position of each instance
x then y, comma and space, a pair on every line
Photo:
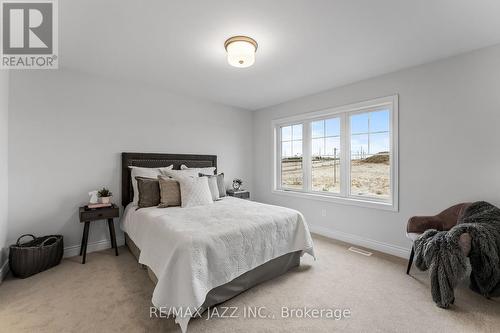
449, 119
67, 130
4, 114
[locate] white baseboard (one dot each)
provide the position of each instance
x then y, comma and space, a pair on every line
394, 250
4, 270
74, 250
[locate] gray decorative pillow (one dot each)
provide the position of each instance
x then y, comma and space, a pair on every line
220, 183
214, 189
170, 192
149, 192
145, 173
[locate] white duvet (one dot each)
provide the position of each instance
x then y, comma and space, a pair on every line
193, 250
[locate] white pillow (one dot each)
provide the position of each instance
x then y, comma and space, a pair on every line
144, 172
205, 171
194, 191
214, 188
181, 173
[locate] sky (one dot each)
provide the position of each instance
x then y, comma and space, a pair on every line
369, 134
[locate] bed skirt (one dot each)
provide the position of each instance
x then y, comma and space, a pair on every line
262, 273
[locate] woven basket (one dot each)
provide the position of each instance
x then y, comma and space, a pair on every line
35, 256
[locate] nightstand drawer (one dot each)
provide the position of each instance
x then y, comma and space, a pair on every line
98, 214
239, 194
244, 195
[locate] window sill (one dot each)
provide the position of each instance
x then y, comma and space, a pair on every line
340, 200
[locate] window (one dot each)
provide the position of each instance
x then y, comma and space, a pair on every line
346, 154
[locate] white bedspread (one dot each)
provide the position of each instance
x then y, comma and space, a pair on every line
193, 250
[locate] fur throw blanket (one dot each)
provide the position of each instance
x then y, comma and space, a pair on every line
439, 252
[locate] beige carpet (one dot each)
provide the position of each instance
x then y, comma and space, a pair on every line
112, 294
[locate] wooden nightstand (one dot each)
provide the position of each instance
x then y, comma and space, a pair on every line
242, 194
91, 215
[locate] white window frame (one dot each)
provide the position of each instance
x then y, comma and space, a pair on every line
344, 197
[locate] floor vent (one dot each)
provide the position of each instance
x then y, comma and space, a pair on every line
363, 252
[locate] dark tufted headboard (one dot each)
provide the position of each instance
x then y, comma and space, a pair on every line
152, 160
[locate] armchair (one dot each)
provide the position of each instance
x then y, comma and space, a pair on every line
443, 221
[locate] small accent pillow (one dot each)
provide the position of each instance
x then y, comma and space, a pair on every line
147, 173
170, 192
149, 192
220, 183
212, 185
206, 171
194, 191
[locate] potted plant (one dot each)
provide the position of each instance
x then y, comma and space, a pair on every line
237, 184
104, 195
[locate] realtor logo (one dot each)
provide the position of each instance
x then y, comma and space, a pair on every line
29, 34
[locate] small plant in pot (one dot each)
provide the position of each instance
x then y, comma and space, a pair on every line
104, 195
237, 184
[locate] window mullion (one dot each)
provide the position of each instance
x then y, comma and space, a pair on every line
306, 155
345, 152
278, 157
369, 132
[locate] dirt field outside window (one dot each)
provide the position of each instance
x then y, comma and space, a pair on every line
370, 176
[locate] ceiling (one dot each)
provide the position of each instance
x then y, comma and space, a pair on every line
304, 46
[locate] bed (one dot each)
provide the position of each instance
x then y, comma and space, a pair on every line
201, 256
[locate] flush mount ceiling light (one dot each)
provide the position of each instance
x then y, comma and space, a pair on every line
241, 51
